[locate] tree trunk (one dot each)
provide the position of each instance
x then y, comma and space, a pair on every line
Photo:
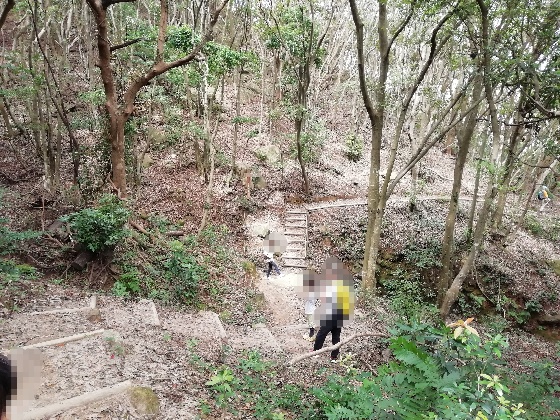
118, 115
509, 165
478, 238
453, 292
549, 161
448, 242
298, 124
480, 157
376, 116
9, 6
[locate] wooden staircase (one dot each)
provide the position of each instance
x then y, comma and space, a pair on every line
296, 234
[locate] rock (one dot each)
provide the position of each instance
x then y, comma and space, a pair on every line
242, 168
147, 161
268, 154
323, 229
555, 265
259, 182
144, 400
259, 229
156, 134
93, 315
259, 298
386, 355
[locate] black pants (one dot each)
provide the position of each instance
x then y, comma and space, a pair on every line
270, 265
322, 334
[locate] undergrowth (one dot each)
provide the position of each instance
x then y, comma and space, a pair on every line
186, 272
435, 373
13, 274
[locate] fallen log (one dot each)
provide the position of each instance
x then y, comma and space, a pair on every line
64, 340
176, 233
334, 347
80, 400
549, 319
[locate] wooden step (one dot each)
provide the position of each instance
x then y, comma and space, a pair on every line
294, 233
291, 241
294, 249
295, 265
295, 226
293, 257
297, 212
296, 219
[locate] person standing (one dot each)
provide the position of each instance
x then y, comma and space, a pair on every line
337, 293
543, 195
8, 384
310, 305
271, 264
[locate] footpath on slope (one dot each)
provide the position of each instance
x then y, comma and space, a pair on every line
99, 352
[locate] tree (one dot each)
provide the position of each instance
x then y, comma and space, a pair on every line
379, 192
293, 35
464, 140
119, 110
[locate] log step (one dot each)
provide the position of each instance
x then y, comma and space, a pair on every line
295, 265
297, 212
295, 226
291, 241
293, 257
296, 219
295, 247
294, 233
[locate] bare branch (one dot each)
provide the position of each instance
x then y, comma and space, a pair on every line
549, 113
334, 347
125, 44
9, 6
398, 31
359, 24
107, 3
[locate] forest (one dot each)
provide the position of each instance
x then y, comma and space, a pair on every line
150, 150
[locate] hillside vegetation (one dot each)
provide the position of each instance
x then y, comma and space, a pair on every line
149, 147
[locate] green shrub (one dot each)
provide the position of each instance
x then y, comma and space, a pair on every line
11, 271
354, 147
183, 273
423, 256
10, 240
406, 294
533, 225
436, 373
102, 227
312, 142
127, 284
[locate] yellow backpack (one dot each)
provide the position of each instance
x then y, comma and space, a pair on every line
344, 298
